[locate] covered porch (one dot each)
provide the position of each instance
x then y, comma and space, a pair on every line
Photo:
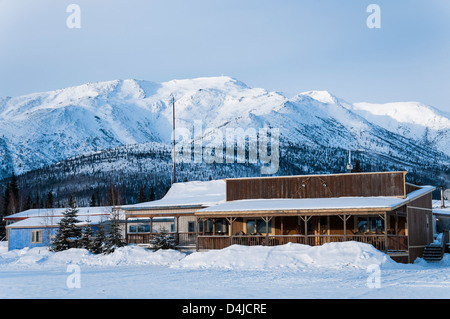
142, 226
386, 231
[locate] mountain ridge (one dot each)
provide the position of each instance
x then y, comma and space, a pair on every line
44, 129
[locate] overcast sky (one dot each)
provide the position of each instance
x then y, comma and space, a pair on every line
290, 46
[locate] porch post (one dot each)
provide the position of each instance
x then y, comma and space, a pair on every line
177, 235
305, 220
397, 238
385, 231
345, 227
267, 220
126, 229
344, 218
151, 225
196, 232
230, 221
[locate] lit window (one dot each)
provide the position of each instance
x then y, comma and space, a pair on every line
36, 236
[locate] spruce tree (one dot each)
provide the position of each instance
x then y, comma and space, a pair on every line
14, 196
114, 239
68, 231
141, 196
86, 236
163, 240
93, 202
98, 244
49, 200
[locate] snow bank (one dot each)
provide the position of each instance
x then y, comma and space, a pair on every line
289, 256
129, 255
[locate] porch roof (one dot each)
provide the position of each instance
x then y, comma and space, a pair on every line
312, 205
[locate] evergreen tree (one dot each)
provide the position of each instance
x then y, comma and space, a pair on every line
93, 202
11, 197
68, 232
6, 197
141, 196
98, 244
28, 203
163, 240
114, 239
49, 200
152, 194
357, 168
86, 236
98, 197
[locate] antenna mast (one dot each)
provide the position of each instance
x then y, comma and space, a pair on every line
173, 133
349, 165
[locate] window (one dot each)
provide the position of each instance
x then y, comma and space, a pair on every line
216, 226
36, 236
370, 225
191, 227
139, 228
258, 226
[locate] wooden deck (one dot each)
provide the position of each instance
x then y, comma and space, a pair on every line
391, 243
380, 242
182, 239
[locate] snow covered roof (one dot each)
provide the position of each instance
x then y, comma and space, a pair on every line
307, 204
437, 210
188, 194
48, 221
59, 212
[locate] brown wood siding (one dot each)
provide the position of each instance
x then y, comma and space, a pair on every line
420, 228
420, 224
411, 188
423, 202
318, 186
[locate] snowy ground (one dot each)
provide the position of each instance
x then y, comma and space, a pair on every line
340, 270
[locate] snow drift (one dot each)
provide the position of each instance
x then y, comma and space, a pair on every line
289, 256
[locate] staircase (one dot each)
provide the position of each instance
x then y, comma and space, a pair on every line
435, 251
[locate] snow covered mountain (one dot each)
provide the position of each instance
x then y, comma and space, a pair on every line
422, 123
41, 129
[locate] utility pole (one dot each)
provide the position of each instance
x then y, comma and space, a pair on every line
173, 133
349, 165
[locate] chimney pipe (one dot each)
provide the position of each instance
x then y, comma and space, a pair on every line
442, 197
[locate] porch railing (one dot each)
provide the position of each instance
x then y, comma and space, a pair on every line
181, 239
394, 242
379, 241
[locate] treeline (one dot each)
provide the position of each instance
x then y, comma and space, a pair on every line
140, 173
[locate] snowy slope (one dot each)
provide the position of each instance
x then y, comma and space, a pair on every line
41, 129
414, 120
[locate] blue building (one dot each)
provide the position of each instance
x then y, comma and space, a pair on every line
38, 227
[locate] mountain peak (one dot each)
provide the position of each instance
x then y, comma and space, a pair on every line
321, 96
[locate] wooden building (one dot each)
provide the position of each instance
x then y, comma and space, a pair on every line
380, 209
174, 213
